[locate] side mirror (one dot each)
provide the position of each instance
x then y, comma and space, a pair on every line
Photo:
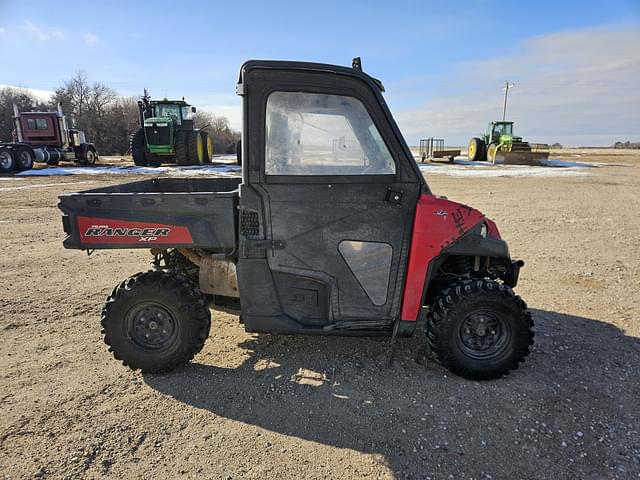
193, 109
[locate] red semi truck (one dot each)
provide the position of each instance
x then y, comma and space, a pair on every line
44, 137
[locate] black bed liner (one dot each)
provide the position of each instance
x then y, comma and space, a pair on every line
171, 212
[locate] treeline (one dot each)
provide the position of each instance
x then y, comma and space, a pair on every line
627, 145
107, 118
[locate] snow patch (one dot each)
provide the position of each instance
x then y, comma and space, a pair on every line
463, 167
173, 171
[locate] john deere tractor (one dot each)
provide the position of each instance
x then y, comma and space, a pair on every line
499, 145
166, 135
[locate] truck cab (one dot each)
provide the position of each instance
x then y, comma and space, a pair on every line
332, 230
44, 137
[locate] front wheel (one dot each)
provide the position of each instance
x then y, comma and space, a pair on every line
492, 153
137, 145
88, 156
155, 321
479, 329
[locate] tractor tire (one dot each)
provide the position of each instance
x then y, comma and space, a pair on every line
195, 148
155, 321
477, 151
138, 148
207, 145
479, 329
182, 152
492, 152
24, 159
7, 160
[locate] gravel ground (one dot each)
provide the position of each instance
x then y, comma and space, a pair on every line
258, 406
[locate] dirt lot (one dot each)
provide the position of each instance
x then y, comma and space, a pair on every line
256, 406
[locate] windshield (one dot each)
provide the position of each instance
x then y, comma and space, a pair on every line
503, 129
168, 110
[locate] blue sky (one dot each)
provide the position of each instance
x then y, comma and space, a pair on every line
576, 64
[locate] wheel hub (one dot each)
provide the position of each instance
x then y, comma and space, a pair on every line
5, 159
151, 326
482, 333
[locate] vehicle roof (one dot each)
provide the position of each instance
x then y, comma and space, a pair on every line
310, 67
38, 113
166, 100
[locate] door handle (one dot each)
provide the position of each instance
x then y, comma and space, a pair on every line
393, 197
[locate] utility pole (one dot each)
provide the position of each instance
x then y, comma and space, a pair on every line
506, 88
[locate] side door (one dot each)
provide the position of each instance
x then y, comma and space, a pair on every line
336, 195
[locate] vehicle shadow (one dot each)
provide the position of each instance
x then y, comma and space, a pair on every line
576, 394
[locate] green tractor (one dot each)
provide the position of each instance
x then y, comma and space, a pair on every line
166, 134
499, 145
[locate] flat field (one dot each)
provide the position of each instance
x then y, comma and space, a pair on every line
260, 406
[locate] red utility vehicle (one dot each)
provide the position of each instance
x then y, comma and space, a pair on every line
332, 230
44, 137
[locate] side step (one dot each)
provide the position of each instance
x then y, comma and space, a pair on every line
360, 325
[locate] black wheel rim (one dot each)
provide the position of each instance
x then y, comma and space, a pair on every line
5, 160
25, 159
484, 334
151, 326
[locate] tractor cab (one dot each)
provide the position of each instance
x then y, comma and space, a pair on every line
497, 130
178, 111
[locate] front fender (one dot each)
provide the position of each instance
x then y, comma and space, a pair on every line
475, 243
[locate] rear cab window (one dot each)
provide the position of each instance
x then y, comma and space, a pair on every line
37, 124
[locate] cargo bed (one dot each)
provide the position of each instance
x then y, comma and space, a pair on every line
166, 212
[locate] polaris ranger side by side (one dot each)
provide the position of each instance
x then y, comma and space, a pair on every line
332, 230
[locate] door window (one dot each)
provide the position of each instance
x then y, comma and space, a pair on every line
319, 134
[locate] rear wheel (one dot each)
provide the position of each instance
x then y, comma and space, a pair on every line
7, 160
479, 329
207, 145
138, 149
195, 148
155, 321
24, 158
476, 151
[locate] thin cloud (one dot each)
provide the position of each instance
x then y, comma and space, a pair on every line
42, 33
90, 39
577, 87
